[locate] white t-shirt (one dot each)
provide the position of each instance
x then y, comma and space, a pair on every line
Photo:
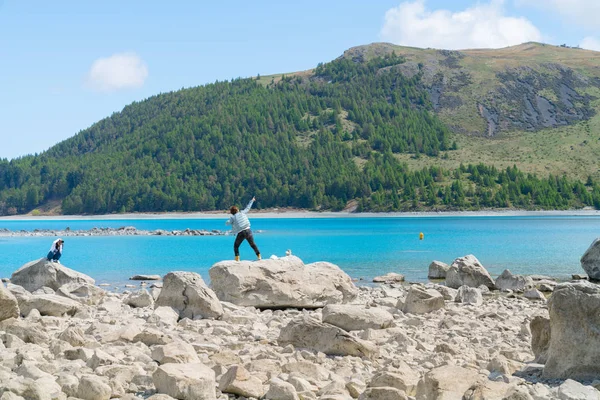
53, 248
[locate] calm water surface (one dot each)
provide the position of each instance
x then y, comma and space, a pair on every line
363, 247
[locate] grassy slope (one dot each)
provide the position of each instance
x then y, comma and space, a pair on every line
573, 150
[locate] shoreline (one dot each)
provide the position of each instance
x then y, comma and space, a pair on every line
296, 214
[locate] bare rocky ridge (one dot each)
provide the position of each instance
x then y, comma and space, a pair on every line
527, 87
113, 347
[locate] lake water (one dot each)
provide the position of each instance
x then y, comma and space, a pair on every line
363, 247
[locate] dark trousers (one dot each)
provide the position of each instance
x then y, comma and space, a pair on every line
53, 256
247, 235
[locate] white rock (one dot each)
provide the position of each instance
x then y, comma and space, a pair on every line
10, 396
421, 301
383, 393
329, 339
534, 294
468, 271
25, 330
516, 283
281, 390
539, 392
176, 352
448, 293
469, 295
9, 307
185, 381
68, 383
99, 358
165, 315
573, 352
573, 390
446, 382
40, 273
187, 293
438, 270
307, 370
390, 277
355, 387
354, 317
83, 292
237, 380
139, 299
405, 380
590, 261
74, 336
50, 304
281, 283
92, 387
150, 337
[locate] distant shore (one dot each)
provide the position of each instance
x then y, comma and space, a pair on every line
275, 213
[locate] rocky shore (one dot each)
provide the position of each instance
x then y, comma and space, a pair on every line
279, 329
122, 231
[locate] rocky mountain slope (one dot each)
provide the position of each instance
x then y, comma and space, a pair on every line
486, 92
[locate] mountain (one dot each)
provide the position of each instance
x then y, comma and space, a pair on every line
380, 128
533, 105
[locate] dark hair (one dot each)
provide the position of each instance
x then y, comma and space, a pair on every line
234, 210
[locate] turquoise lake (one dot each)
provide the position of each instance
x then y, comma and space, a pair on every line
363, 247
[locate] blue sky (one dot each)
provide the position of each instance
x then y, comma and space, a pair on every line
67, 64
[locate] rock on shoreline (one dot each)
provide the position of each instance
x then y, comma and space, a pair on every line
375, 346
122, 231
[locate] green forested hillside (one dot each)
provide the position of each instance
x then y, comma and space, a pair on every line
314, 141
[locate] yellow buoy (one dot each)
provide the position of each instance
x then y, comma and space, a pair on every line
421, 236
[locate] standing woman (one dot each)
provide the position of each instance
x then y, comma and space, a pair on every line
240, 225
56, 250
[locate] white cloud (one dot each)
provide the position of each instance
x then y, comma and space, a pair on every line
590, 43
119, 71
480, 26
580, 11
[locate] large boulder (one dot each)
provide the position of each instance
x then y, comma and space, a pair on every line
187, 293
383, 393
446, 382
83, 292
420, 300
438, 270
573, 390
50, 304
39, 273
312, 334
9, 307
590, 261
516, 283
175, 352
185, 381
574, 349
139, 299
281, 390
93, 387
356, 318
404, 379
468, 271
239, 381
469, 295
282, 282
